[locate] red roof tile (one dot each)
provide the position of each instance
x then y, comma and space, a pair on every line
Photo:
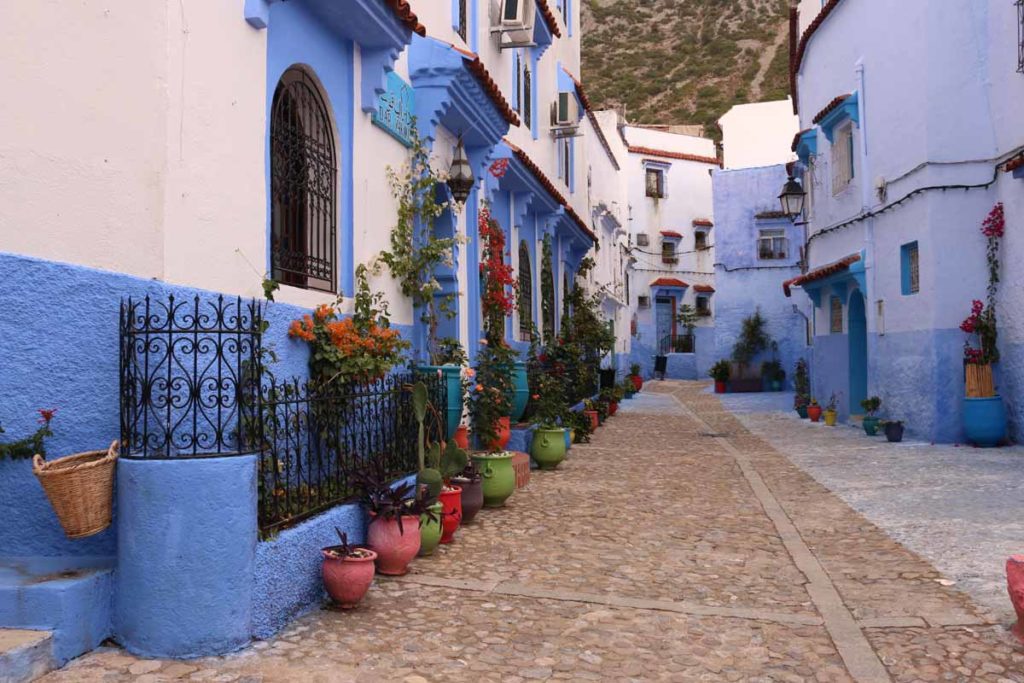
674, 155
703, 223
821, 273
550, 187
549, 18
671, 233
668, 282
797, 50
829, 108
1014, 164
796, 139
703, 288
579, 89
405, 15
490, 86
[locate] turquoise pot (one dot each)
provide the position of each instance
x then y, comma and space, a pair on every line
521, 391
453, 380
985, 420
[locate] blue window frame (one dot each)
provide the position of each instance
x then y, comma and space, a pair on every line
910, 270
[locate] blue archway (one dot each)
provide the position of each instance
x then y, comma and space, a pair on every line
858, 337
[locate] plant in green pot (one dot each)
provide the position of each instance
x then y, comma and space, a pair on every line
871, 406
548, 445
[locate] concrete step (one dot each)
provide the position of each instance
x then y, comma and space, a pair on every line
24, 655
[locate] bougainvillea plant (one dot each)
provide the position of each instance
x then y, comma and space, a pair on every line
982, 320
31, 444
363, 347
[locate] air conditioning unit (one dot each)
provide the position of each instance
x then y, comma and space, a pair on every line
643, 301
642, 240
565, 115
513, 20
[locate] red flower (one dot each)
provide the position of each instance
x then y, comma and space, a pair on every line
46, 414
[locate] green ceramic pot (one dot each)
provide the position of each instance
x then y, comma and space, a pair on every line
871, 425
548, 447
430, 531
498, 476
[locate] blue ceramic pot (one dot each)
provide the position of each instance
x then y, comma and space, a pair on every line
453, 380
985, 420
520, 392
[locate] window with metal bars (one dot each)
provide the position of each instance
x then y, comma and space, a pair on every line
525, 303
463, 25
655, 182
910, 272
527, 96
836, 315
303, 185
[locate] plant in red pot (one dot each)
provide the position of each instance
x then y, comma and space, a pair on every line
814, 410
590, 411
394, 529
347, 571
720, 373
635, 378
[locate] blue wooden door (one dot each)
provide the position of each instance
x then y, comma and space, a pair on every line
857, 328
664, 312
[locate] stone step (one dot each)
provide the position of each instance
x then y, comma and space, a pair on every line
24, 655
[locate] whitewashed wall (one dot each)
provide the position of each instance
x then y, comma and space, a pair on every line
758, 134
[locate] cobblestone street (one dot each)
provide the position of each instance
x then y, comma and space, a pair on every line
681, 544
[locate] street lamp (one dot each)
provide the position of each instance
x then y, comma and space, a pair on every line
792, 198
460, 175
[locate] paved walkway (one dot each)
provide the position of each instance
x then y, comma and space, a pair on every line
679, 545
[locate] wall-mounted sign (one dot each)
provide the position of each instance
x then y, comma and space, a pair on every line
395, 109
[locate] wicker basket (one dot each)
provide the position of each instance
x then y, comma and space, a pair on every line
80, 488
978, 380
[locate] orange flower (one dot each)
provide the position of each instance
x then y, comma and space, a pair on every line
323, 312
479, 387
302, 329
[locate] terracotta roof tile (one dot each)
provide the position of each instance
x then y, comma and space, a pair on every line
404, 12
829, 108
668, 282
671, 233
549, 18
550, 187
796, 139
490, 86
674, 155
703, 288
579, 89
1014, 164
703, 223
821, 273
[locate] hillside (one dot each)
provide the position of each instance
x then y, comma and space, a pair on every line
684, 61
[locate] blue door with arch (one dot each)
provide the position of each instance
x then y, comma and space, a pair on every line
857, 327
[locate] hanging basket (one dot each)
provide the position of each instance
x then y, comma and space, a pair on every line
80, 488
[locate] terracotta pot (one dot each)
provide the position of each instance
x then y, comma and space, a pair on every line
638, 382
521, 466
719, 387
451, 501
1015, 586
462, 437
347, 579
472, 497
613, 407
395, 549
592, 414
814, 412
503, 428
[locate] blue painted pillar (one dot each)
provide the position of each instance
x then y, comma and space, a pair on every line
186, 552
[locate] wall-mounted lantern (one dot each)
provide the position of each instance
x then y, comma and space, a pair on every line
460, 175
792, 198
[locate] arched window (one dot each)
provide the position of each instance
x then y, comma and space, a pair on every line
525, 293
303, 185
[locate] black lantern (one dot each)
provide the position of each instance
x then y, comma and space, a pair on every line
792, 198
460, 175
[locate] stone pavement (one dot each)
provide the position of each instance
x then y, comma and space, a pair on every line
679, 545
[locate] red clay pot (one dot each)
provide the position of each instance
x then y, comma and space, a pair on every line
613, 406
814, 412
395, 549
638, 382
451, 502
503, 428
1015, 586
521, 466
592, 414
347, 579
719, 387
462, 437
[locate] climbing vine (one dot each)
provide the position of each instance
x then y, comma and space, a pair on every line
982, 320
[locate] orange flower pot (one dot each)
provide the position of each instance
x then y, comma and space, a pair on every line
814, 412
462, 437
503, 428
451, 503
613, 407
638, 382
592, 414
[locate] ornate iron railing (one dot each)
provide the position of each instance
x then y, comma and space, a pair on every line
683, 343
189, 377
316, 440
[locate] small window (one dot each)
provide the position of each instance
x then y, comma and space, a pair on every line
910, 272
842, 158
668, 251
836, 314
525, 293
511, 13
527, 100
462, 22
772, 244
565, 161
808, 183
655, 179
700, 240
703, 305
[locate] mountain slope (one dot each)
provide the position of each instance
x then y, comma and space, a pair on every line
684, 61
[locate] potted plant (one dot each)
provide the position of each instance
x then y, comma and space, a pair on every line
800, 403
813, 410
635, 378
611, 397
894, 430
752, 340
548, 445
801, 387
871, 406
628, 390
430, 528
590, 412
773, 374
394, 529
832, 410
471, 483
720, 373
347, 571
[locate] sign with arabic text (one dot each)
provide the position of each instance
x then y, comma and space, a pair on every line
395, 109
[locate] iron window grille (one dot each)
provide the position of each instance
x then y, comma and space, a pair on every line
303, 185
668, 252
772, 245
189, 375
525, 293
527, 96
655, 183
683, 343
836, 316
463, 20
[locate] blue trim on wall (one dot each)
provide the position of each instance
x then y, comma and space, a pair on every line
905, 251
807, 145
847, 110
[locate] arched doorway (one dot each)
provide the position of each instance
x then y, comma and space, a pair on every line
857, 326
